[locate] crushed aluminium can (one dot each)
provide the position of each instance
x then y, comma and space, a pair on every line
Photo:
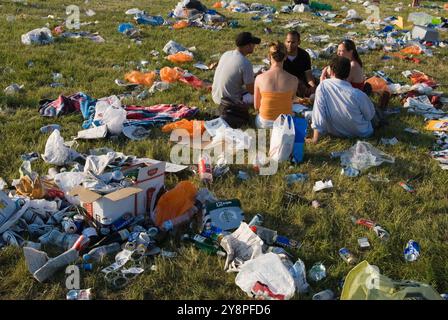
412, 251
406, 187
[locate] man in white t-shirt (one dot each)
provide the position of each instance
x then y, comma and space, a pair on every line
233, 78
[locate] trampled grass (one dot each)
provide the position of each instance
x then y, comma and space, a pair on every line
89, 67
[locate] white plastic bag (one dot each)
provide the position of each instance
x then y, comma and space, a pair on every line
270, 271
37, 36
97, 164
110, 112
363, 156
243, 244
282, 138
55, 151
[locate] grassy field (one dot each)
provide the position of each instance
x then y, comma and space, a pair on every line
89, 67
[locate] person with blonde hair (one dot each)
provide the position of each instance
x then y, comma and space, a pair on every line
275, 89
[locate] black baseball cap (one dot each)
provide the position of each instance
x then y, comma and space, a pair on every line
245, 38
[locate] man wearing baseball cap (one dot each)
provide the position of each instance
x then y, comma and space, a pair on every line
234, 77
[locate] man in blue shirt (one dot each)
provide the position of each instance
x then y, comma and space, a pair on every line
339, 109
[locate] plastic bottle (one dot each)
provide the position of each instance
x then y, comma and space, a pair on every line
318, 272
99, 253
203, 244
299, 274
347, 256
119, 237
205, 169
257, 220
324, 295
50, 128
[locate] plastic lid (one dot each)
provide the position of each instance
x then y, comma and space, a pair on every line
87, 266
221, 253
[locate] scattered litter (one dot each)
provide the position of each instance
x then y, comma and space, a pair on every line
296, 177
350, 172
317, 272
389, 142
412, 251
322, 185
13, 89
406, 187
363, 155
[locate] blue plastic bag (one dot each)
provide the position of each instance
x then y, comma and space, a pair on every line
300, 125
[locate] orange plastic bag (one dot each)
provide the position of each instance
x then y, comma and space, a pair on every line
175, 203
137, 77
170, 75
217, 5
181, 24
378, 84
412, 50
184, 124
420, 77
180, 57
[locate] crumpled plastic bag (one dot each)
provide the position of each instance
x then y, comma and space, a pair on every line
37, 36
97, 164
414, 50
378, 84
173, 47
170, 75
181, 24
109, 111
56, 152
363, 155
241, 246
185, 124
146, 79
175, 204
269, 270
230, 141
364, 282
180, 57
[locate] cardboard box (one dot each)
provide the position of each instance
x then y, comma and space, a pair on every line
425, 34
139, 199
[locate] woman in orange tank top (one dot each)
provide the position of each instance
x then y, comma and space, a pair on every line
275, 89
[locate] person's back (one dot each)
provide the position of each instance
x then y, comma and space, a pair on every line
339, 109
342, 105
275, 89
233, 71
233, 83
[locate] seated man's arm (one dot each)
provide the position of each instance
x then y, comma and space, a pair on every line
257, 95
366, 106
248, 77
319, 117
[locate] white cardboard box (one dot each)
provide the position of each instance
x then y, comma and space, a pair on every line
136, 200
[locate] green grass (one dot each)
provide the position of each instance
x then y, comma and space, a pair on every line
88, 67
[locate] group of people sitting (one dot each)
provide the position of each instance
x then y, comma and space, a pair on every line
341, 108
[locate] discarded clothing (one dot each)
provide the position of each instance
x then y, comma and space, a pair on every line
65, 105
158, 114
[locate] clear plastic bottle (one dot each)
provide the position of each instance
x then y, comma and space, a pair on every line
324, 295
99, 253
299, 275
318, 272
205, 169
